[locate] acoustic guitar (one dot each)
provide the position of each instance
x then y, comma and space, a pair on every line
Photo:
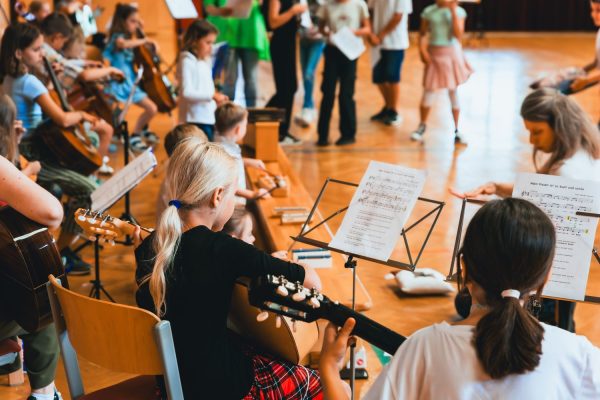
28, 254
71, 146
282, 337
278, 295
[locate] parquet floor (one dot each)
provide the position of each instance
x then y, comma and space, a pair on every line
498, 149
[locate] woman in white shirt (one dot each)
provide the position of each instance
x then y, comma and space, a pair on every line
565, 143
500, 351
197, 96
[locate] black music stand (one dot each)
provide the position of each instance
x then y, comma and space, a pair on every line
97, 286
458, 276
351, 261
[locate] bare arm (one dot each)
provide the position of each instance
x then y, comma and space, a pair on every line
94, 74
365, 28
276, 19
218, 11
60, 117
490, 188
458, 24
123, 43
390, 26
591, 66
423, 30
28, 198
311, 278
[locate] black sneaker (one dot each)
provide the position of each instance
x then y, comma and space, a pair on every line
74, 265
380, 115
344, 141
137, 145
392, 118
150, 137
322, 143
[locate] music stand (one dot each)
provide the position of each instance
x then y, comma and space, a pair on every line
351, 261
458, 276
123, 127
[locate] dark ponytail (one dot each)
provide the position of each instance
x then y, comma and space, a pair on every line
509, 244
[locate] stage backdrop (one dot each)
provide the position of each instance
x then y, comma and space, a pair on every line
522, 15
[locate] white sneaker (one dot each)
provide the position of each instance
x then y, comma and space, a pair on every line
459, 140
106, 169
306, 117
417, 135
289, 140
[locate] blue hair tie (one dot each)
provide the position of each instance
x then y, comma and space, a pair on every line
175, 203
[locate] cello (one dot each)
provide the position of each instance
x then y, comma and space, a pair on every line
154, 82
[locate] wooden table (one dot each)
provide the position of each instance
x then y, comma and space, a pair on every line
337, 280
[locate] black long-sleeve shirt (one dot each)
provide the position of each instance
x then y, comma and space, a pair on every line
198, 296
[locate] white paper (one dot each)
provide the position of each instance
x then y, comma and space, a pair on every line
348, 43
123, 181
241, 8
182, 9
305, 20
561, 198
379, 209
375, 55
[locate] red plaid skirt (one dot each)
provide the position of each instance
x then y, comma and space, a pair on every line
279, 380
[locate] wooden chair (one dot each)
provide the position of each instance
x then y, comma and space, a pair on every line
117, 337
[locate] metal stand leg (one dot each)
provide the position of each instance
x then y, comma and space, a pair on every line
97, 287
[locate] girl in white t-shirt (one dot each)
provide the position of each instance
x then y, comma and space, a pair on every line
198, 99
500, 351
565, 143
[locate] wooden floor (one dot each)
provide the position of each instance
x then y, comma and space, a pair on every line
498, 149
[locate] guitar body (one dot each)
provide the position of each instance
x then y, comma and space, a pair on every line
28, 254
281, 342
153, 81
71, 146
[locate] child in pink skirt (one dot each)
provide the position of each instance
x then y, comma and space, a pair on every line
445, 63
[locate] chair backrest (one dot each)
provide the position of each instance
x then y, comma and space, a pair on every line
115, 336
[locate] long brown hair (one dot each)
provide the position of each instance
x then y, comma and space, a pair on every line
573, 129
197, 30
16, 37
122, 12
509, 244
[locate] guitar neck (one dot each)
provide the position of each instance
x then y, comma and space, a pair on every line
57, 86
365, 328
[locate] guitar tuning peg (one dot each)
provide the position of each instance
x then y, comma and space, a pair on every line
315, 302
282, 291
278, 322
81, 217
111, 242
299, 296
92, 238
262, 316
294, 325
284, 309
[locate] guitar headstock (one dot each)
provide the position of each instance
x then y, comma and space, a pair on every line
277, 294
96, 224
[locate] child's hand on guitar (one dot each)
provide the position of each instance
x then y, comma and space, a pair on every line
33, 168
281, 254
137, 237
335, 344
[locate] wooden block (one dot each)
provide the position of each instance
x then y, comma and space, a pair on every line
263, 137
269, 182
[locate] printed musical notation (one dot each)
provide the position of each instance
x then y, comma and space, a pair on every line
561, 198
379, 209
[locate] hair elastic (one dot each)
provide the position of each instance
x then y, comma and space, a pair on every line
175, 203
511, 293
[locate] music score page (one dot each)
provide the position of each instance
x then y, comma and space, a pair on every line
379, 209
560, 198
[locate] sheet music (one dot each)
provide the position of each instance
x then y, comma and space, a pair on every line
561, 198
348, 43
182, 9
123, 181
241, 8
379, 209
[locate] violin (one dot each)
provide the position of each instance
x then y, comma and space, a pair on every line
154, 82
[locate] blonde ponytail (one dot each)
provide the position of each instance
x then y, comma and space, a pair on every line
196, 170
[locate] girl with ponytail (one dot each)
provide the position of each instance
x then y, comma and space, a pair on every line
565, 143
500, 351
188, 268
